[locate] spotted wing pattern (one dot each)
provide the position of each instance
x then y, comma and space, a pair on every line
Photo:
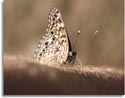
53, 47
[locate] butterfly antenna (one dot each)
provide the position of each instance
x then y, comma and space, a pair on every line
91, 36
78, 33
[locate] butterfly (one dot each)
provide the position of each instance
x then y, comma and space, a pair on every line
55, 47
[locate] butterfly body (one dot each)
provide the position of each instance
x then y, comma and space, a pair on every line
54, 47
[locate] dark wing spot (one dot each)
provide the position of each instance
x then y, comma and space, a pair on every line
51, 32
62, 41
53, 38
63, 36
53, 19
40, 54
57, 11
55, 16
57, 49
46, 43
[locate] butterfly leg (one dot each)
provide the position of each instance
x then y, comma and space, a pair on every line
73, 61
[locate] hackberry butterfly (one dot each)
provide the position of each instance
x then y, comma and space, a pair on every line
55, 47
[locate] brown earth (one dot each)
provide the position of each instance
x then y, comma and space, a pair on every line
22, 76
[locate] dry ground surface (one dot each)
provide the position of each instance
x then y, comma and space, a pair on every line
22, 76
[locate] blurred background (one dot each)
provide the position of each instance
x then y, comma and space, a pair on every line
25, 22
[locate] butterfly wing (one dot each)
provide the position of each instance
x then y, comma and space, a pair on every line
54, 46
